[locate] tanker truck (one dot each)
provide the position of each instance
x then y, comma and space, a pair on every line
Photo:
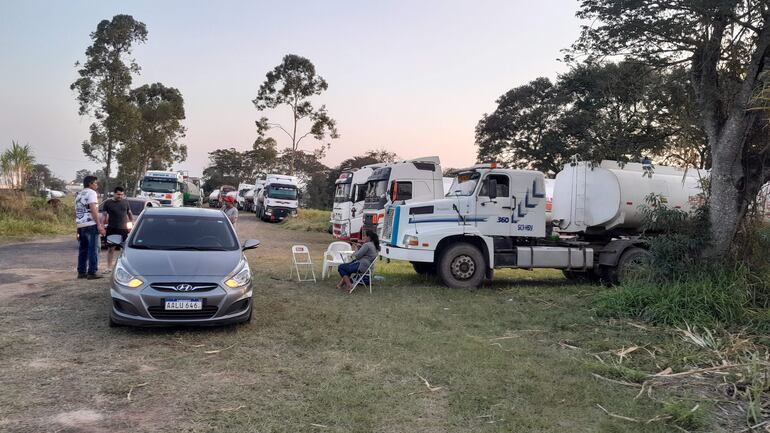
170, 188
495, 218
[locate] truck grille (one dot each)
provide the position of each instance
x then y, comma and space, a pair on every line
387, 229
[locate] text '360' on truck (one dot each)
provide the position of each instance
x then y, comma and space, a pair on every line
278, 198
347, 217
496, 218
411, 181
171, 188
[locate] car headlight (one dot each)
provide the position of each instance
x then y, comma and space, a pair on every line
124, 278
241, 277
411, 241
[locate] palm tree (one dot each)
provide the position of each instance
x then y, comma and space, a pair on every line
16, 163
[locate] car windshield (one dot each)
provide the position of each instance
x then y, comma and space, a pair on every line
377, 188
282, 192
342, 192
158, 185
464, 183
177, 232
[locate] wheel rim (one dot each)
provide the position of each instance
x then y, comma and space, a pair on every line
463, 267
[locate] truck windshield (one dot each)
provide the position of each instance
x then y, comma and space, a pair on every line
284, 192
377, 188
150, 184
464, 184
342, 192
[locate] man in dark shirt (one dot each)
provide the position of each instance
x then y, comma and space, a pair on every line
118, 216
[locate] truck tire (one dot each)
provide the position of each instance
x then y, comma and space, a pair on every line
424, 268
631, 258
462, 266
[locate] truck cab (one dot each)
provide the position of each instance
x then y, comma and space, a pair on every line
409, 181
278, 199
167, 187
243, 189
349, 194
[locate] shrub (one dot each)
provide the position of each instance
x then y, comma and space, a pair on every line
22, 216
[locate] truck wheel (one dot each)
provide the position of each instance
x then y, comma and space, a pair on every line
424, 268
462, 266
627, 266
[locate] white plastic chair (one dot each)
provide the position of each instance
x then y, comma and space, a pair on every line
302, 264
333, 257
361, 276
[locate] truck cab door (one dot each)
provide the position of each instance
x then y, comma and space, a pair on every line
493, 205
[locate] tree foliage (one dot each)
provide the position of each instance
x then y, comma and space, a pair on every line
292, 84
103, 87
155, 142
724, 44
40, 177
620, 111
15, 164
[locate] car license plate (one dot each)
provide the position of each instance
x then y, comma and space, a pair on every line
184, 304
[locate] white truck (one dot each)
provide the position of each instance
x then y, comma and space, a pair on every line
240, 199
278, 199
411, 181
347, 217
170, 188
496, 218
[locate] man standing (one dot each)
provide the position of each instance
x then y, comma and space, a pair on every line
118, 216
89, 229
230, 210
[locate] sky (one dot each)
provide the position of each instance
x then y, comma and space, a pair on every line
413, 77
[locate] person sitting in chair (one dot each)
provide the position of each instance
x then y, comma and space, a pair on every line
363, 258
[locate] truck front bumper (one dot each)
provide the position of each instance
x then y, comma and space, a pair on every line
408, 254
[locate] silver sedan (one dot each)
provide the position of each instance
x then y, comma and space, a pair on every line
181, 266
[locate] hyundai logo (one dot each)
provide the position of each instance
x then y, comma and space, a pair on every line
184, 288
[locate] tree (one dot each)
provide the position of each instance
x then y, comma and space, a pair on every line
102, 89
40, 177
155, 143
293, 83
227, 166
15, 164
725, 45
620, 111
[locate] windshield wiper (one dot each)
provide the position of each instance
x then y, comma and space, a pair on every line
141, 247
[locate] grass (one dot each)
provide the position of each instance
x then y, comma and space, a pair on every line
516, 355
308, 220
23, 217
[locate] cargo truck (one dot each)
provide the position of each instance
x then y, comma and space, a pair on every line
496, 218
347, 217
408, 181
278, 199
170, 188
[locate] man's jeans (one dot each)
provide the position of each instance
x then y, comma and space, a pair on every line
89, 249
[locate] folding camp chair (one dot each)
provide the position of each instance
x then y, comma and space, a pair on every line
302, 264
363, 278
334, 257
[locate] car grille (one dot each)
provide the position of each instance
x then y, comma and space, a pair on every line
174, 287
160, 313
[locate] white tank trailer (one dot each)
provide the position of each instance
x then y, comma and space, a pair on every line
609, 198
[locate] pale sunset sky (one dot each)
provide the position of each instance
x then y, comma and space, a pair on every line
413, 77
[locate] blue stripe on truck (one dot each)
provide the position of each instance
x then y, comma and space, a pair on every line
394, 231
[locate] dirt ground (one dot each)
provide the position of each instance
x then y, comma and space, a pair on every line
410, 357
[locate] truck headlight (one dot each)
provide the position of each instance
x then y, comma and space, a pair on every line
411, 241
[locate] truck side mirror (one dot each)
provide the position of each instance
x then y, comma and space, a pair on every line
492, 188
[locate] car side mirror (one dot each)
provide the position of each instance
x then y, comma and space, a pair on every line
115, 240
492, 189
248, 244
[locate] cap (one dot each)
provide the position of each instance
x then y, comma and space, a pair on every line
230, 199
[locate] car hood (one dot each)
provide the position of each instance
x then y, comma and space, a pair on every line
181, 263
